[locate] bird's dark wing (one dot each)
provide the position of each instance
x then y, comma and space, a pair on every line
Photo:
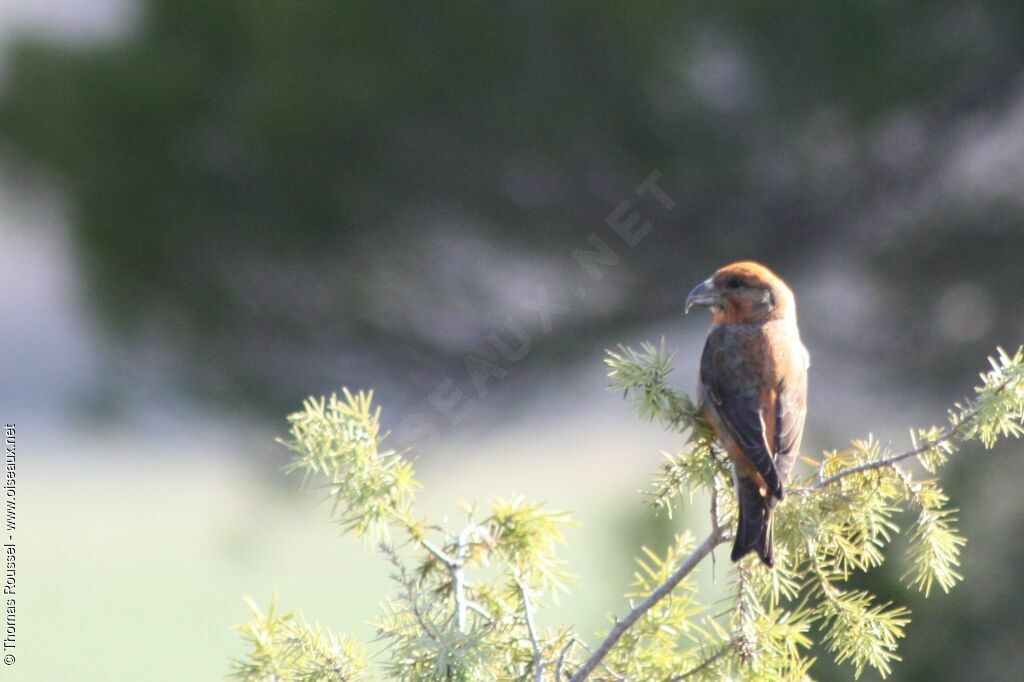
790, 410
729, 376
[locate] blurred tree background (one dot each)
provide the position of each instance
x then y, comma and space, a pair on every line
278, 198
271, 183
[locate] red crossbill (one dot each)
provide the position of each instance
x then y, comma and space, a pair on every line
753, 390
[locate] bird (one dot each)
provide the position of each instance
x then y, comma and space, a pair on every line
753, 390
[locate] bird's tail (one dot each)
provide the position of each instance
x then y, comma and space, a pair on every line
754, 530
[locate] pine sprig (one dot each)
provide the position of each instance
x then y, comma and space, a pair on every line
370, 488
934, 552
997, 410
285, 647
641, 376
526, 536
859, 630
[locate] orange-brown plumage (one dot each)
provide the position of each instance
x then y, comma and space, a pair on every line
753, 389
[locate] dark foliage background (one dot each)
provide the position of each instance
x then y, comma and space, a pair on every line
275, 183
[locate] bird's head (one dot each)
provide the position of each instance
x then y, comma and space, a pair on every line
742, 293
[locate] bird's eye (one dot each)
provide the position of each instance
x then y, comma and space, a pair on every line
733, 283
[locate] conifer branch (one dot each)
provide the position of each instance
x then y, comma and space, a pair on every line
531, 628
824, 533
948, 435
441, 555
561, 657
459, 578
716, 537
963, 423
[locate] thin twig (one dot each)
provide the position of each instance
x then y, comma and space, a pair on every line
946, 436
441, 555
402, 578
473, 606
949, 434
715, 537
459, 578
538, 663
746, 640
605, 666
964, 420
561, 658
714, 524
454, 566
709, 661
